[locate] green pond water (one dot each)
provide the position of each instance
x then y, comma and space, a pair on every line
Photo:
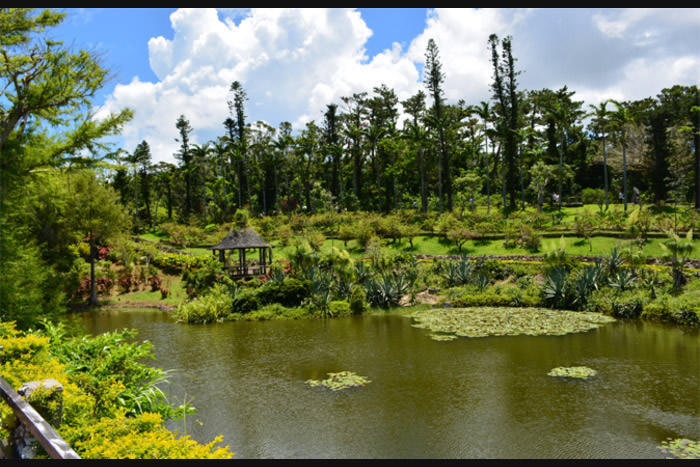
487, 397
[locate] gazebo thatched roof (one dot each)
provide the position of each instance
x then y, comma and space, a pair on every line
239, 239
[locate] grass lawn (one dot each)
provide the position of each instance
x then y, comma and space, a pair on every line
430, 245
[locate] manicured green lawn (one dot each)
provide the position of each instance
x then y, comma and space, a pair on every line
432, 245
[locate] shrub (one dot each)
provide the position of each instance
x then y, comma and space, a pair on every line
127, 283
213, 306
682, 309
155, 282
460, 235
102, 380
493, 269
627, 304
339, 308
198, 280
364, 233
529, 239
245, 301
593, 196
289, 292
140, 437
358, 302
276, 311
183, 235
556, 256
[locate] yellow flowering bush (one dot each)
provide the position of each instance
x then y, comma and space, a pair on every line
140, 437
94, 424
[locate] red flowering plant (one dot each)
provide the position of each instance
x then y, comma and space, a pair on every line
103, 284
155, 282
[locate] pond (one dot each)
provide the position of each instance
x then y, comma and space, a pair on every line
486, 397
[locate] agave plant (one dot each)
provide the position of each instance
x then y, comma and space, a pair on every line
482, 281
464, 270
387, 290
614, 261
362, 273
555, 289
588, 279
677, 250
457, 272
650, 281
622, 280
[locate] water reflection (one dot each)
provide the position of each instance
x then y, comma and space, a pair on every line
468, 398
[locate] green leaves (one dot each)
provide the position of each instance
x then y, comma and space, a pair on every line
488, 321
579, 372
340, 380
681, 448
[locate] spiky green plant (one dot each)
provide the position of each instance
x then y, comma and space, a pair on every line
555, 288
677, 249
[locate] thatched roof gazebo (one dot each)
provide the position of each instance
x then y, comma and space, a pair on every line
242, 240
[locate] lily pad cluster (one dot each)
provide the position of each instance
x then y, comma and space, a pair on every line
340, 380
504, 321
681, 448
443, 337
580, 372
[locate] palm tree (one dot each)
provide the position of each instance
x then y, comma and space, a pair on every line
418, 136
220, 152
282, 147
483, 110
201, 160
523, 134
621, 117
600, 124
353, 121
141, 158
565, 113
433, 79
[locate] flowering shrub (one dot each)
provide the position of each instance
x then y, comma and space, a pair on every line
95, 424
103, 285
128, 282
155, 282
140, 437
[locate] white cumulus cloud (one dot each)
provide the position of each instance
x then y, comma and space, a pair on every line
291, 63
294, 62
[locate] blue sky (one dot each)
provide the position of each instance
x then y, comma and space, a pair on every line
292, 63
122, 34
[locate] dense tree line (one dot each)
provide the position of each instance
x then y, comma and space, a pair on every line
372, 151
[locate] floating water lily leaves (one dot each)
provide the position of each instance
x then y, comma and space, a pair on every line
496, 321
580, 372
442, 337
340, 380
681, 448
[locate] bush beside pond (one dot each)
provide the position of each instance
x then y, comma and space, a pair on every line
111, 406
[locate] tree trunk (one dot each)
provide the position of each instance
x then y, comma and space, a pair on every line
93, 286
